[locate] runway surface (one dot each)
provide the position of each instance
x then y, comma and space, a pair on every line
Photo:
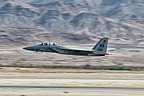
71, 84
69, 91
68, 87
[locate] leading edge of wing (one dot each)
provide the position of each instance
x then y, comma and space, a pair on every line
68, 49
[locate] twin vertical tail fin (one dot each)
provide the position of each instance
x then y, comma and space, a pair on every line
101, 47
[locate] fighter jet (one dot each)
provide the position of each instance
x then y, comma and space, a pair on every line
99, 49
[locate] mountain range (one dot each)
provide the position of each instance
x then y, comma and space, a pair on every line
77, 21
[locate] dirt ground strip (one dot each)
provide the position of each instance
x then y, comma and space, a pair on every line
120, 55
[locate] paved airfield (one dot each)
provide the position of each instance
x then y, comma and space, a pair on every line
31, 82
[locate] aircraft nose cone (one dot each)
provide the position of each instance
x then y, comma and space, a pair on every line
28, 48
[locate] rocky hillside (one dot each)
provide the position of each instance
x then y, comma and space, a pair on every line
79, 21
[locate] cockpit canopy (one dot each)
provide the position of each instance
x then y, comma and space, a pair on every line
49, 43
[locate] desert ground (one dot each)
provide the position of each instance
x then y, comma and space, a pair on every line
119, 55
24, 73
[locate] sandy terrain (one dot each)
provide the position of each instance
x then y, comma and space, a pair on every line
120, 55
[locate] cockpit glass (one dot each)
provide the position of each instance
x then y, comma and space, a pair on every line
41, 44
50, 43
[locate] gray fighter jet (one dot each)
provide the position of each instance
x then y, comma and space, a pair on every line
98, 50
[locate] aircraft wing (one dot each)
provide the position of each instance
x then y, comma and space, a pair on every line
55, 50
70, 51
76, 50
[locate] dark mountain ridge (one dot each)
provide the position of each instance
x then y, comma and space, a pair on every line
71, 20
